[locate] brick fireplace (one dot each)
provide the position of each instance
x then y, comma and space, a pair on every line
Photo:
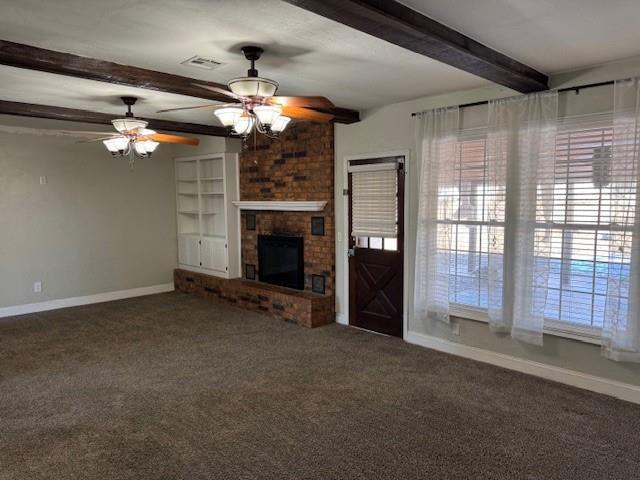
296, 167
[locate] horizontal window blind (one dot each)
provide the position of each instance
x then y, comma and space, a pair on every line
583, 226
374, 203
471, 197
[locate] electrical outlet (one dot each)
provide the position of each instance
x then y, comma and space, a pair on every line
455, 328
43, 180
37, 287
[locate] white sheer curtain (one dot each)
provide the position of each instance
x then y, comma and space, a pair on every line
621, 330
520, 160
437, 148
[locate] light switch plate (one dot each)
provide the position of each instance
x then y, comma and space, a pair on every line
37, 287
43, 180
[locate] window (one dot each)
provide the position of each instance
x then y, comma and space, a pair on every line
471, 198
582, 224
377, 243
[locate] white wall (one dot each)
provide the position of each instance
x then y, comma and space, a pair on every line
96, 226
391, 128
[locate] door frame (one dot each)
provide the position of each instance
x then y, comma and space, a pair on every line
343, 239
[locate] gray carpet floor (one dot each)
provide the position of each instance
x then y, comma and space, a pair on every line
173, 387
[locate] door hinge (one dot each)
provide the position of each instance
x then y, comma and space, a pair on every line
226, 268
225, 245
199, 242
345, 191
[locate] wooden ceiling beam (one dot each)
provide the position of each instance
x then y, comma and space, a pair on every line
34, 58
85, 116
395, 23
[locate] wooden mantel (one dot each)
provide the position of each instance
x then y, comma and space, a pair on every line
278, 205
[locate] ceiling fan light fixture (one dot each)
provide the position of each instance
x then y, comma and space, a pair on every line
267, 113
117, 145
255, 108
145, 148
280, 123
243, 124
124, 125
228, 116
253, 86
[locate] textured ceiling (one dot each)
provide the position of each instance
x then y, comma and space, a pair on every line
307, 54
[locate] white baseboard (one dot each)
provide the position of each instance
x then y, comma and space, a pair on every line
624, 391
341, 318
86, 300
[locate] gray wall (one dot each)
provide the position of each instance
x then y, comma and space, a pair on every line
208, 145
391, 128
94, 227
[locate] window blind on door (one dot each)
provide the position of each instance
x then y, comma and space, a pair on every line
374, 202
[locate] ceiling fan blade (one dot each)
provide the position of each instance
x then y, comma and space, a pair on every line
314, 102
209, 105
51, 132
166, 138
100, 139
301, 113
221, 91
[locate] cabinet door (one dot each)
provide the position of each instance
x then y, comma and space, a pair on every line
214, 254
189, 250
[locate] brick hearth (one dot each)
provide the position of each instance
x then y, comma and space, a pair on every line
304, 308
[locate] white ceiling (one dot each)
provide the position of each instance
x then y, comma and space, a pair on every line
307, 54
551, 36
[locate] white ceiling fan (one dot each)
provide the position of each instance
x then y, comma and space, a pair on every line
132, 138
255, 103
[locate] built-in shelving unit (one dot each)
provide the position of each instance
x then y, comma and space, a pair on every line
208, 222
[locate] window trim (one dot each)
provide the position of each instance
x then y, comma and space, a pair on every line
589, 335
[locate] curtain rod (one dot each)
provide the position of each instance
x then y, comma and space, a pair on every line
560, 90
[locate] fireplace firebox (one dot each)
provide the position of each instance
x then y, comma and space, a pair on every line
281, 260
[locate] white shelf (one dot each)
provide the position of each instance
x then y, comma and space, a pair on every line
203, 193
196, 212
288, 206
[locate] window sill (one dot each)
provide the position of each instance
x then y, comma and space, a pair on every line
558, 329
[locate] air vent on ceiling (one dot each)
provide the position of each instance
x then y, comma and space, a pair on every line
201, 62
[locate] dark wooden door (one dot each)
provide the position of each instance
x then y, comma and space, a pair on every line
376, 274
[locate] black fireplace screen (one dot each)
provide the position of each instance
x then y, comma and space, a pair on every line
281, 260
